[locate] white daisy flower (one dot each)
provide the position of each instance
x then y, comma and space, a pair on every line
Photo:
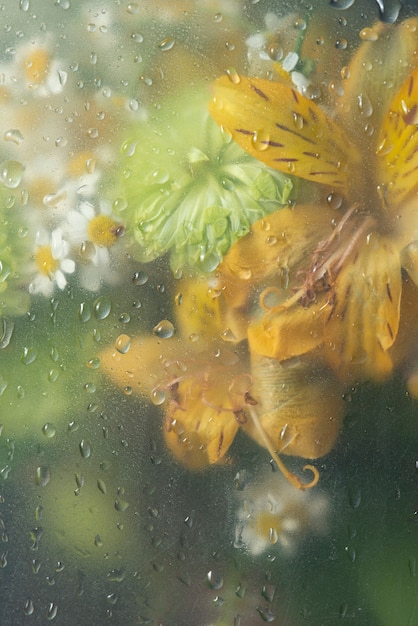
51, 262
95, 232
273, 513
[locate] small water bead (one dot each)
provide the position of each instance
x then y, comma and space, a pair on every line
364, 104
214, 580
42, 476
341, 43
133, 8
140, 278
28, 608
93, 364
123, 343
299, 24
85, 449
49, 430
369, 34
89, 388
52, 611
102, 307
260, 140
334, 200
167, 44
13, 135
84, 312
11, 173
233, 75
164, 329
157, 396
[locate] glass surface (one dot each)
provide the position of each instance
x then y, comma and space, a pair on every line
208, 269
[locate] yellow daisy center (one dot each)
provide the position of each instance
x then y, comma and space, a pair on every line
102, 231
36, 66
45, 262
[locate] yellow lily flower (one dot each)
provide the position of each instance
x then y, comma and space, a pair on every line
342, 252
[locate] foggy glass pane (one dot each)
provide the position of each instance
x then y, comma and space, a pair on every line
208, 312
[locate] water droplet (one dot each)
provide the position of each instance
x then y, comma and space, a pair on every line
102, 307
266, 614
133, 8
341, 44
123, 343
342, 4
85, 449
233, 75
351, 553
299, 24
29, 355
260, 140
335, 200
42, 476
214, 580
6, 332
369, 34
89, 388
228, 335
52, 200
364, 104
218, 17
11, 173
157, 396
140, 278
84, 312
52, 611
49, 430
28, 607
101, 485
160, 176
164, 329
121, 505
93, 364
167, 44
13, 135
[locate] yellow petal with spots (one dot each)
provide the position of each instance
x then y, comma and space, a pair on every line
364, 320
376, 71
282, 128
397, 151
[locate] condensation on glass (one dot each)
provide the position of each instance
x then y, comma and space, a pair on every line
208, 269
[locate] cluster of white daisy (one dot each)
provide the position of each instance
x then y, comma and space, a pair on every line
273, 514
55, 153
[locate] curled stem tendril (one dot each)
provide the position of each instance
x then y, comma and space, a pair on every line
292, 478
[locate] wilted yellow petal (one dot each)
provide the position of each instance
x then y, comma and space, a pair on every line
299, 406
289, 332
397, 151
196, 432
363, 322
276, 249
282, 128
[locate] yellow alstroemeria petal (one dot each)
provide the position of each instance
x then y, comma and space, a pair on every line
141, 367
287, 333
299, 406
376, 71
196, 432
275, 250
198, 309
397, 149
282, 128
364, 320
